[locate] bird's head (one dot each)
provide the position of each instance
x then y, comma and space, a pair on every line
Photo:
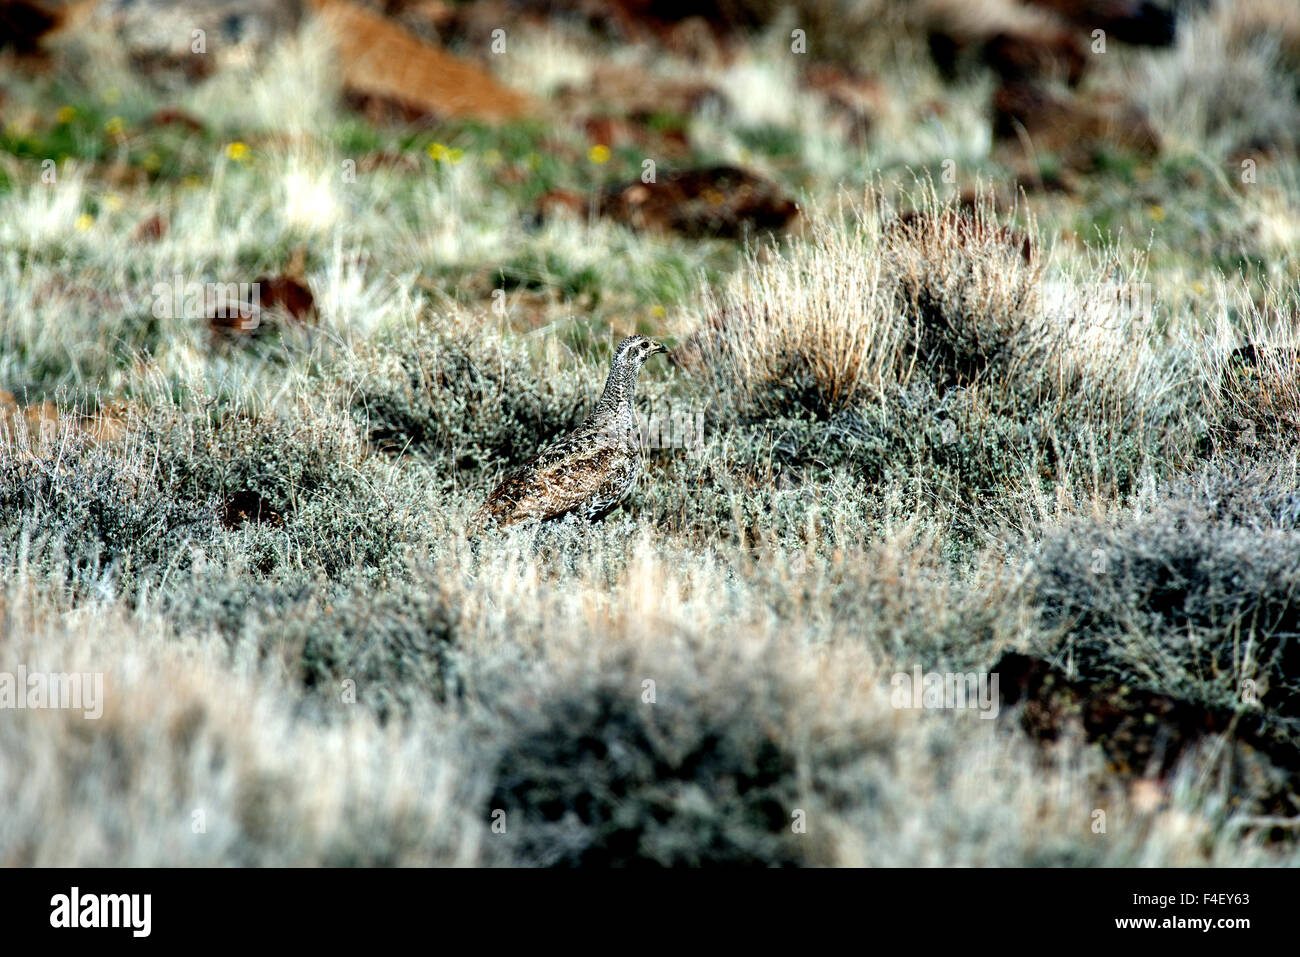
629, 357
635, 350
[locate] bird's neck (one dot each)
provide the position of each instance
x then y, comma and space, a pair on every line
616, 400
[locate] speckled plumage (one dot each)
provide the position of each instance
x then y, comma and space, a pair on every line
590, 470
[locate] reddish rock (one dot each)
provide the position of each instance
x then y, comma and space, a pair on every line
150, 230
716, 201
1072, 127
171, 116
286, 295
383, 63
561, 201
1026, 56
280, 300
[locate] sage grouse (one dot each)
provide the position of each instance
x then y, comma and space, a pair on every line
589, 471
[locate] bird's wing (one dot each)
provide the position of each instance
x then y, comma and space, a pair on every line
558, 481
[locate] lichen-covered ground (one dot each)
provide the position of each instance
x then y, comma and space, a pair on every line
1041, 427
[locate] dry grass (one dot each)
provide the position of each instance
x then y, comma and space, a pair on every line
1252, 376
816, 321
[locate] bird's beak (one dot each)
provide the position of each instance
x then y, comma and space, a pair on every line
659, 347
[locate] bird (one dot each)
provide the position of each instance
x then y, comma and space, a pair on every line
589, 471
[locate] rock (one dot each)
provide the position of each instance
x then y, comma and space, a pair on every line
281, 300
691, 28
1145, 734
288, 295
1072, 127
150, 230
717, 201
24, 23
171, 116
387, 71
385, 66
1027, 56
561, 201
160, 35
464, 27
1016, 41
1038, 40
1138, 22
